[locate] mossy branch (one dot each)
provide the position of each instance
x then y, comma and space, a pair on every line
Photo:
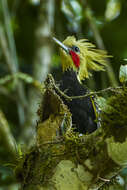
69, 160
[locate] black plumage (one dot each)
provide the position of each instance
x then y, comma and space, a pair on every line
83, 115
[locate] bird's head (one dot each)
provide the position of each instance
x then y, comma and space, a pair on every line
81, 56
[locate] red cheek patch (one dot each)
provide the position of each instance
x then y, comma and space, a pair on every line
75, 58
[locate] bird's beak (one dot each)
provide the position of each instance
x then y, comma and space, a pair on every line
64, 47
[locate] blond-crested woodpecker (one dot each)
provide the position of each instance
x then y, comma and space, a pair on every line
78, 58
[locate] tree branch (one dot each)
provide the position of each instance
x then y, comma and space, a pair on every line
76, 162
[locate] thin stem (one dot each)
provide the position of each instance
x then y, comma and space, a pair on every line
99, 42
5, 50
111, 89
7, 138
70, 98
62, 93
9, 32
24, 77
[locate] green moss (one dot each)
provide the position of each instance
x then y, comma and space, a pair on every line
115, 119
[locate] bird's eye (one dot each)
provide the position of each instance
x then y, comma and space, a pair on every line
76, 49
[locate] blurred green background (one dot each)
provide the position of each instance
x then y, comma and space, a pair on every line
28, 54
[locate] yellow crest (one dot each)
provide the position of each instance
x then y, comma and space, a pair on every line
90, 58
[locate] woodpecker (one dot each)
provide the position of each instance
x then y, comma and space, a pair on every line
78, 58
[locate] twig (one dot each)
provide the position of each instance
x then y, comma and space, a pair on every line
105, 180
112, 89
62, 93
22, 76
70, 98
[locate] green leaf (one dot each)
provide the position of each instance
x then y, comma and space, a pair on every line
112, 10
123, 73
